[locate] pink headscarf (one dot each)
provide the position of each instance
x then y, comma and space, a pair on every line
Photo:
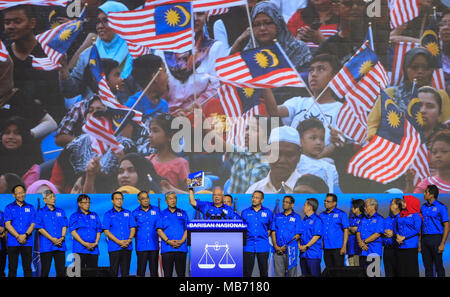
32, 189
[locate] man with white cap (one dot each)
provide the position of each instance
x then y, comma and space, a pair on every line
283, 173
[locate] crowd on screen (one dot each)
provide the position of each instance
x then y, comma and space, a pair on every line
280, 239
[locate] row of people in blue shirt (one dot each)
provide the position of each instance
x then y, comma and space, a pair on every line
331, 234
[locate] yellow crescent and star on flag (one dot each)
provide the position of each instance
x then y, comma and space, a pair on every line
266, 58
175, 14
394, 117
429, 41
67, 32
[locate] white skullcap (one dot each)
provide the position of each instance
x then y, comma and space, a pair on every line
284, 134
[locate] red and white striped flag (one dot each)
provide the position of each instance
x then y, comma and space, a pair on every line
265, 67
391, 151
163, 25
218, 11
399, 50
402, 11
10, 3
240, 105
44, 64
352, 118
3, 52
420, 164
102, 136
138, 50
438, 79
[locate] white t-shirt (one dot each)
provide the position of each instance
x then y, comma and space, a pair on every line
320, 168
298, 106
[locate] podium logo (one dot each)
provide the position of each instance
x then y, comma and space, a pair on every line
207, 261
74, 269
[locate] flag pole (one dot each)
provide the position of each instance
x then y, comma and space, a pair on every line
252, 35
194, 72
137, 101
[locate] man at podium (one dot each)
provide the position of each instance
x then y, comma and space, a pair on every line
215, 210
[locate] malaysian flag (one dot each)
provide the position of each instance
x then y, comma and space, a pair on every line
163, 25
106, 96
56, 42
101, 132
352, 118
362, 63
138, 50
10, 3
240, 105
3, 52
266, 67
391, 151
206, 5
396, 56
414, 115
430, 41
402, 11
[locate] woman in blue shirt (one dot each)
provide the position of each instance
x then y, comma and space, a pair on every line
407, 227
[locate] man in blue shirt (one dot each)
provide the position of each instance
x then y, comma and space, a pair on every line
119, 227
20, 218
369, 234
171, 228
310, 245
51, 222
228, 200
212, 211
435, 230
334, 233
259, 220
85, 228
146, 238
286, 229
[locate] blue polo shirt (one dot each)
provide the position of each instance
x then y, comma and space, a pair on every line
87, 226
208, 209
389, 225
146, 238
119, 224
369, 226
2, 219
312, 226
352, 244
434, 215
21, 218
52, 221
258, 226
334, 224
173, 224
409, 227
286, 227
146, 106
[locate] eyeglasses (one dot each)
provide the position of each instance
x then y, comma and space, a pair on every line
328, 201
444, 23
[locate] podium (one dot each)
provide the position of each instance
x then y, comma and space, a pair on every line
216, 247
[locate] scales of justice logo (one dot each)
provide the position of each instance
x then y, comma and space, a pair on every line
226, 261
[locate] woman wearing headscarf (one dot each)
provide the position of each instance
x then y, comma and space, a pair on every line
407, 227
40, 186
180, 66
418, 65
268, 24
110, 46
